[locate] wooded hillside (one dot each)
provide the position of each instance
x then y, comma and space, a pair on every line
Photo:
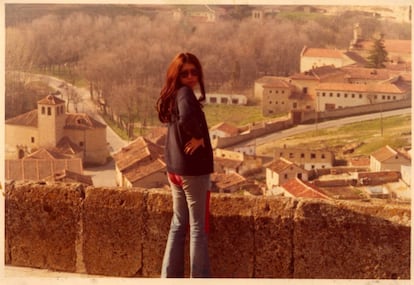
124, 50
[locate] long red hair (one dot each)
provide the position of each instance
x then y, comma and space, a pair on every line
166, 101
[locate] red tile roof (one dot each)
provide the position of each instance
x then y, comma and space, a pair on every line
366, 88
47, 154
27, 119
227, 128
82, 121
300, 189
277, 83
394, 46
223, 181
280, 165
73, 121
318, 73
387, 152
272, 81
366, 73
134, 174
322, 52
137, 151
51, 100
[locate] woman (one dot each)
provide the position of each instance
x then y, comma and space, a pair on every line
189, 159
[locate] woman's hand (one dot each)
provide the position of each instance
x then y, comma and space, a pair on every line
192, 145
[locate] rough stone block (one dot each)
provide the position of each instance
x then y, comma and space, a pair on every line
157, 225
113, 223
231, 238
340, 240
41, 225
273, 237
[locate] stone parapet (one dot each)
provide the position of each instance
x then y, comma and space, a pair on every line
123, 232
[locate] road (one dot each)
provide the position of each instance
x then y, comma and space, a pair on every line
321, 125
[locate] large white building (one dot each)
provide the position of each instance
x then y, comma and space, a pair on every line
332, 96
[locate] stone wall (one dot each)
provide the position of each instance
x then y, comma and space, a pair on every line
122, 232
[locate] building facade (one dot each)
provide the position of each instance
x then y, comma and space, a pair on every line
332, 96
49, 126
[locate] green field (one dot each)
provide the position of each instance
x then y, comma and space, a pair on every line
369, 135
235, 115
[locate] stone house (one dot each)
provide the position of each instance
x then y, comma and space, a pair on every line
140, 164
281, 170
223, 130
49, 126
306, 158
388, 159
226, 161
279, 96
227, 183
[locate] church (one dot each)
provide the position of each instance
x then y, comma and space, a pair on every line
50, 127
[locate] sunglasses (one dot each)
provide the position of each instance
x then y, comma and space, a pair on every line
186, 73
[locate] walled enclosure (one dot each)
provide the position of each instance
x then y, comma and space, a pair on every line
122, 232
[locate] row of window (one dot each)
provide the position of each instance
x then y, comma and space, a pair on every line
276, 91
277, 102
353, 95
59, 110
302, 155
224, 100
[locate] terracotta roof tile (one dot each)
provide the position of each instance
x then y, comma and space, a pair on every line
366, 73
387, 152
137, 151
26, 119
277, 83
82, 121
279, 165
271, 80
322, 52
223, 181
227, 128
43, 153
300, 189
368, 88
397, 46
318, 73
134, 174
51, 100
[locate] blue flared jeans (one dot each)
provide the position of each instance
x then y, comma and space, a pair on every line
189, 209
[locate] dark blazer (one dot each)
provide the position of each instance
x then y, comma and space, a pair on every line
187, 122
